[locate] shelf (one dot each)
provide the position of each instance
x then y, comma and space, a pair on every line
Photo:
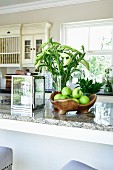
9, 50
10, 53
10, 65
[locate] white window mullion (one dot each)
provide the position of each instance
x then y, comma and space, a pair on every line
89, 39
100, 52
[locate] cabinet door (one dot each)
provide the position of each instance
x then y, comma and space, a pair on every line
38, 40
27, 49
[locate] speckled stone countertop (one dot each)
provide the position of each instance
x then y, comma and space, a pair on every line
100, 117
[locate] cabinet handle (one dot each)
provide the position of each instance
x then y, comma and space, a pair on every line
8, 32
33, 48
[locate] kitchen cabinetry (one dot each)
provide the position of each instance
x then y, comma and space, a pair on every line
20, 43
33, 35
10, 51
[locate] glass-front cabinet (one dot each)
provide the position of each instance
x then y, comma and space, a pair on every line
27, 44
31, 47
27, 50
38, 43
33, 35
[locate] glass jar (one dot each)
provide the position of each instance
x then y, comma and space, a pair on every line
58, 82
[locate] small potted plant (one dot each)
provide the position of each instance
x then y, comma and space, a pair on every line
61, 61
88, 86
108, 85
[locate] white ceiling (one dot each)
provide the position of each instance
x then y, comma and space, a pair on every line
14, 2
11, 6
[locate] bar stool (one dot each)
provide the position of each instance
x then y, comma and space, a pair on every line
6, 158
75, 165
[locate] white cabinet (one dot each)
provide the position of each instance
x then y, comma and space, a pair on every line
20, 43
30, 48
33, 35
10, 51
10, 30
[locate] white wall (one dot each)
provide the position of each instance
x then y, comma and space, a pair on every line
35, 152
57, 15
89, 11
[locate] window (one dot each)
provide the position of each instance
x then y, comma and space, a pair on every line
97, 38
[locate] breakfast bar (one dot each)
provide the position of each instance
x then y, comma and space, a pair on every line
56, 139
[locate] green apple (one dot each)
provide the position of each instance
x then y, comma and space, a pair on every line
84, 100
76, 93
66, 91
76, 100
57, 96
64, 97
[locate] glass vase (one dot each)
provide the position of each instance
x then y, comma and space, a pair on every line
58, 82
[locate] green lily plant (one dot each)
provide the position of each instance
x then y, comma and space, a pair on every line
60, 60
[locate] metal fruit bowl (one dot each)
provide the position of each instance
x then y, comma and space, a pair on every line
65, 105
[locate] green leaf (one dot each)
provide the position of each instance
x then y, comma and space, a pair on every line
43, 45
82, 48
39, 56
37, 64
64, 55
85, 63
87, 86
67, 61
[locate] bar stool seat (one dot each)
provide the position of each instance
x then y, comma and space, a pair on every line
75, 165
6, 158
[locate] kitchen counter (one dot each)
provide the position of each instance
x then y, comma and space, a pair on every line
100, 116
55, 139
98, 121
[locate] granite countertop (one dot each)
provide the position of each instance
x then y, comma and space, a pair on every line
100, 117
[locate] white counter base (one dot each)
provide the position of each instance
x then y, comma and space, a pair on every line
48, 147
80, 134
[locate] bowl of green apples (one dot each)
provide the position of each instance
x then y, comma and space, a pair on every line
72, 100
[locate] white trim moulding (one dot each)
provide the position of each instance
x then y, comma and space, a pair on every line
39, 5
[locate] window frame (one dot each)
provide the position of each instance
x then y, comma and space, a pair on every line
102, 22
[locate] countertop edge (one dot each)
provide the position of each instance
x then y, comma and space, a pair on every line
80, 134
